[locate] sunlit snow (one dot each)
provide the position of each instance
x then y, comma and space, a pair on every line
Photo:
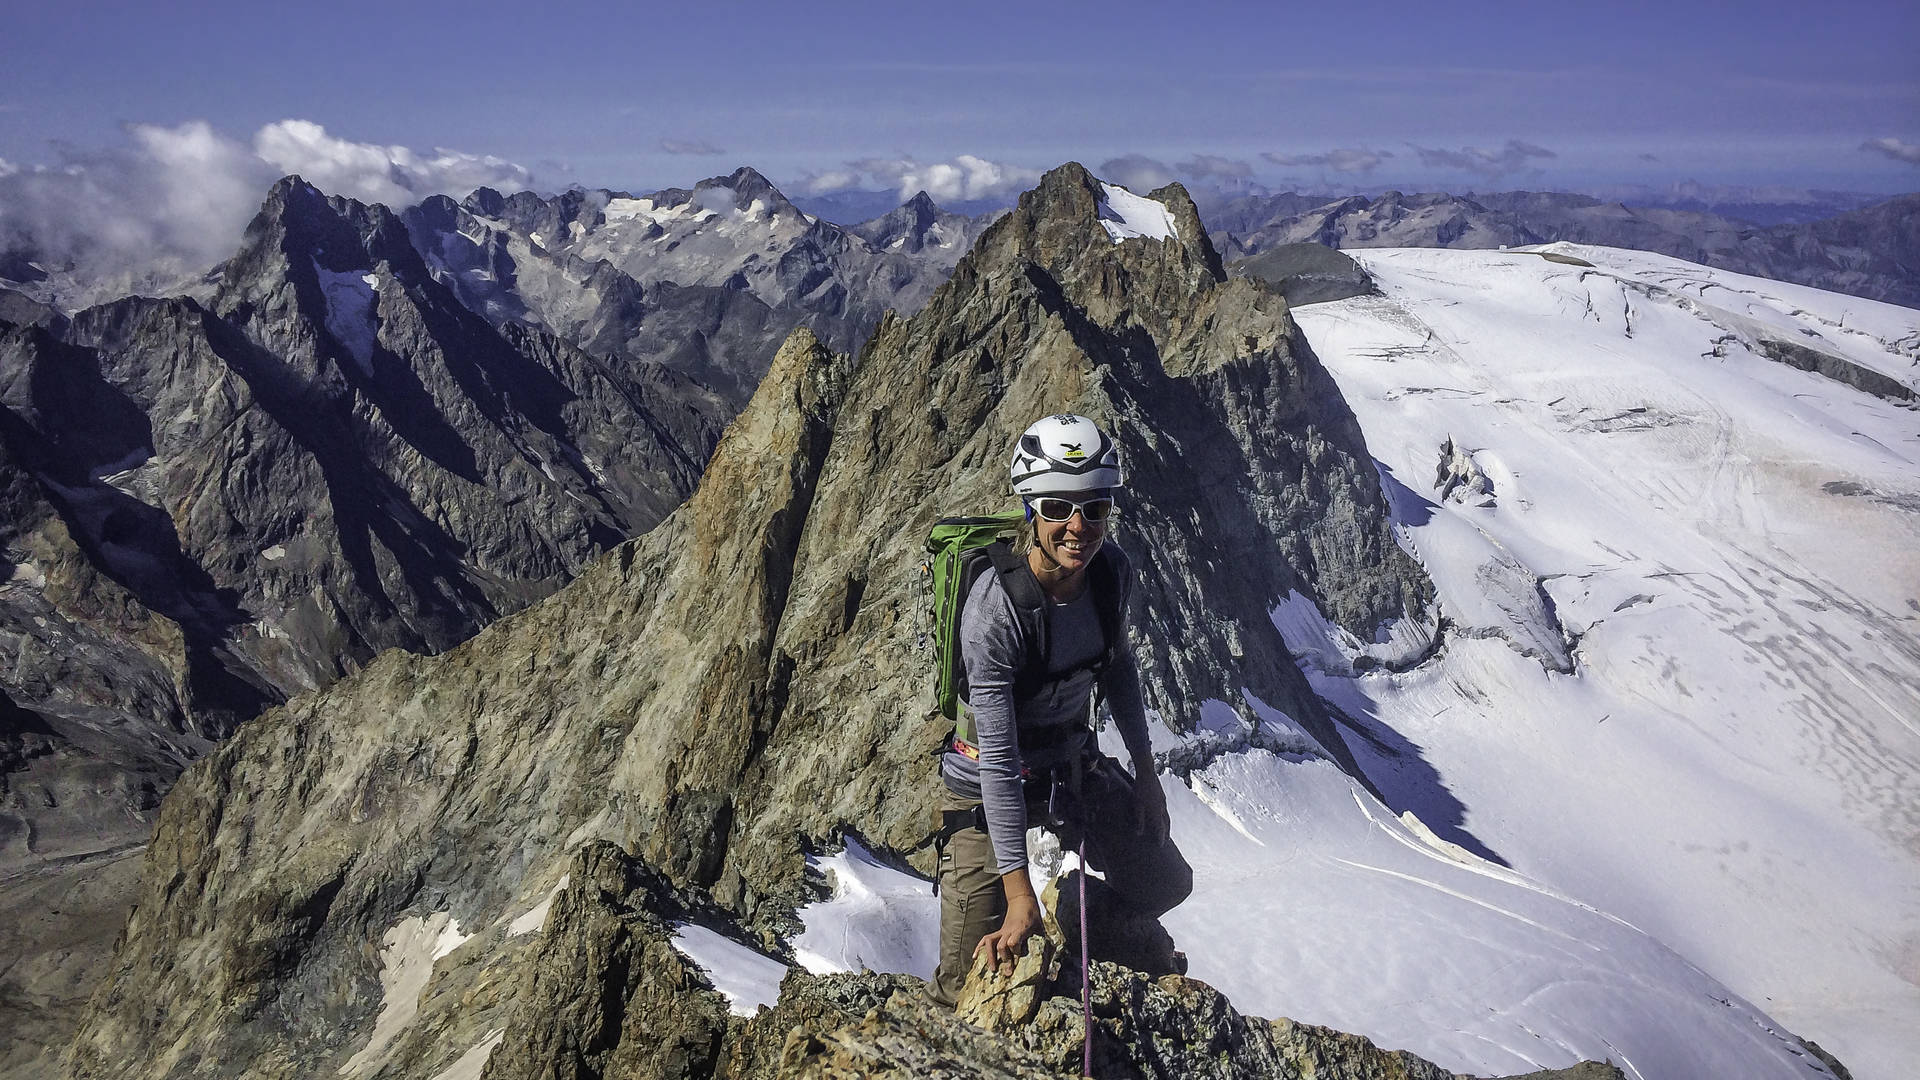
469, 1065
536, 917
747, 978
1125, 215
877, 918
1730, 548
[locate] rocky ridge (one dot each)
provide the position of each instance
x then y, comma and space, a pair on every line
750, 671
1868, 252
661, 1017
706, 280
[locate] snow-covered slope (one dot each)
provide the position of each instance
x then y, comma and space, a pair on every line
1731, 549
1693, 844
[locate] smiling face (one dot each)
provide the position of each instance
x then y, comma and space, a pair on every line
1061, 549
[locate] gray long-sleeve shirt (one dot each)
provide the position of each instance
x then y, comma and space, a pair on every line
993, 649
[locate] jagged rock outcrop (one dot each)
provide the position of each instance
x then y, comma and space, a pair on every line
753, 670
251, 500
1459, 477
1306, 273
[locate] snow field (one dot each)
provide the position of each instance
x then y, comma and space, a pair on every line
1732, 548
352, 298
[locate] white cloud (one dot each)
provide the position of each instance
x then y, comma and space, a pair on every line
173, 201
1345, 160
1895, 149
393, 175
964, 177
836, 180
1136, 172
1491, 164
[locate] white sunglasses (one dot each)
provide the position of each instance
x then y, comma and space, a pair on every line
1055, 509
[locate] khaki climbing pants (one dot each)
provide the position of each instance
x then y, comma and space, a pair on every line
1145, 876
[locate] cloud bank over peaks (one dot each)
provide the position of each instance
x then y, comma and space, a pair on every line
394, 175
171, 203
1342, 160
1140, 173
1489, 164
1894, 148
962, 179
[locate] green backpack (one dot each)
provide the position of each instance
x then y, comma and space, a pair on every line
960, 547
965, 547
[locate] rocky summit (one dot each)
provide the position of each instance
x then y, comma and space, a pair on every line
433, 861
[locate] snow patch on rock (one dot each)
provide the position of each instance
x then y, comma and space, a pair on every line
749, 979
1126, 216
470, 1064
409, 951
351, 302
535, 917
877, 918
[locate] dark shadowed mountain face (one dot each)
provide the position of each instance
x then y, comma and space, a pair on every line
1869, 252
212, 508
751, 672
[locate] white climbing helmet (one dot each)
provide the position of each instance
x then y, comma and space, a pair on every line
1065, 454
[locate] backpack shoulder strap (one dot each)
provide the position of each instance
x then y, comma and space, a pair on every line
1030, 609
1111, 583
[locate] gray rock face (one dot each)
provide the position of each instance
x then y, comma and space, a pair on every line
722, 337
749, 672
23, 310
707, 281
1306, 273
920, 227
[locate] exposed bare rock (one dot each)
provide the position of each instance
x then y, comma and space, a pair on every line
919, 227
706, 280
748, 674
1460, 478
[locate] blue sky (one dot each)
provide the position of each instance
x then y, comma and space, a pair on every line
1352, 96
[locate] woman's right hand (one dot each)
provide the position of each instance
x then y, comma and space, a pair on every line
1010, 941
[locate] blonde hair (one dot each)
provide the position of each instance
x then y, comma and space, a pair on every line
1027, 536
